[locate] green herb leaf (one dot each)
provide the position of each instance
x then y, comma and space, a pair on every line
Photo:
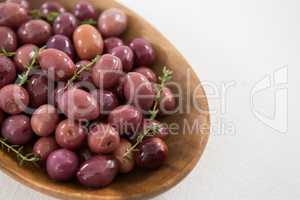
89, 21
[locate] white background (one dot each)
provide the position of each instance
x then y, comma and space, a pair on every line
236, 42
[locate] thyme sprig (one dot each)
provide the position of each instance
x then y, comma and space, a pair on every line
89, 21
50, 17
77, 73
153, 130
22, 78
18, 150
7, 53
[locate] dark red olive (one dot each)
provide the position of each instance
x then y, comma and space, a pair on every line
126, 56
65, 24
84, 154
22, 3
12, 15
35, 31
84, 10
112, 42
44, 146
98, 172
138, 91
37, 87
103, 138
62, 43
7, 71
24, 56
152, 153
17, 130
167, 104
161, 130
147, 72
125, 118
70, 134
8, 39
62, 165
14, 99
144, 52
85, 76
51, 6
107, 100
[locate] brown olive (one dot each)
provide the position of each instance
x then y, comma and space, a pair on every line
88, 42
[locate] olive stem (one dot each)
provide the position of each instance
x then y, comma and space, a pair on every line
164, 78
17, 149
7, 53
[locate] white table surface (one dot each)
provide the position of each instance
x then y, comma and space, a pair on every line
253, 152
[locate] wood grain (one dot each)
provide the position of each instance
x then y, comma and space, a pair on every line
185, 148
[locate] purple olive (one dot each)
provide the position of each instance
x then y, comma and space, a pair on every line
107, 100
98, 172
144, 52
17, 130
8, 39
62, 165
65, 24
152, 153
125, 118
84, 10
37, 87
63, 44
79, 104
162, 129
7, 71
103, 138
138, 91
126, 56
57, 64
148, 73
70, 135
112, 22
112, 42
12, 15
51, 6
167, 103
35, 31
14, 99
24, 55
44, 146
126, 160
22, 3
107, 71
44, 120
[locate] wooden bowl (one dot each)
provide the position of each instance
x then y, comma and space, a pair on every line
185, 148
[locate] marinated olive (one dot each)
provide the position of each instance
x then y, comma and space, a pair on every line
63, 44
107, 100
147, 72
12, 15
7, 71
22, 3
84, 10
126, 56
57, 64
103, 138
44, 146
125, 118
144, 52
88, 42
35, 31
112, 22
24, 55
107, 71
13, 99
65, 24
78, 104
8, 39
97, 172
44, 120
17, 130
62, 165
112, 42
70, 135
167, 103
37, 87
139, 91
152, 153
126, 161
51, 6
